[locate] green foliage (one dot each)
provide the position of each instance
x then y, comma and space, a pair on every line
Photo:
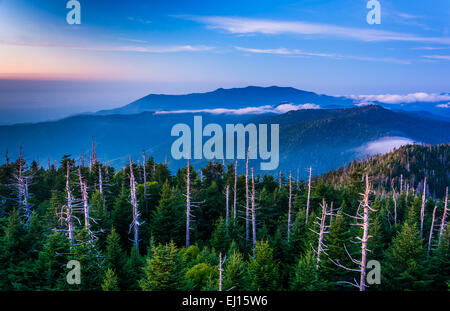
110, 281
262, 269
164, 271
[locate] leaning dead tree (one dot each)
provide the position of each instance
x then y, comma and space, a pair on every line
135, 222
444, 215
309, 194
323, 227
362, 220
290, 206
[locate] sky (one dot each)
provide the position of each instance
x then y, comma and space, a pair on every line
123, 50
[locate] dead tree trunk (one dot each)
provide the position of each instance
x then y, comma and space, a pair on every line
84, 198
309, 194
365, 237
235, 191
253, 213
135, 224
227, 207
100, 180
188, 203
246, 201
320, 245
431, 232
145, 183
394, 198
422, 210
69, 216
280, 178
290, 206
298, 179
220, 272
444, 215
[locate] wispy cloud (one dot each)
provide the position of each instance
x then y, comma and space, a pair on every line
116, 48
240, 25
284, 51
400, 99
439, 57
283, 108
447, 105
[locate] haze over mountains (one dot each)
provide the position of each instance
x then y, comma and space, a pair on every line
323, 138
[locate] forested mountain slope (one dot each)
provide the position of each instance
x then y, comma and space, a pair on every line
404, 168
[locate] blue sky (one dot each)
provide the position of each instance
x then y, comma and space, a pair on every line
125, 49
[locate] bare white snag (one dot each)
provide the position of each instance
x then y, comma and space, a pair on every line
68, 210
309, 194
394, 198
188, 203
145, 181
365, 237
280, 179
84, 198
321, 246
253, 213
246, 201
235, 191
431, 232
227, 207
363, 219
422, 210
444, 215
22, 180
135, 222
290, 206
100, 180
221, 262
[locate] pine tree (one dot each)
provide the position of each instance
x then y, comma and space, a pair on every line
110, 281
50, 267
121, 217
305, 277
440, 262
134, 270
168, 219
87, 253
13, 253
235, 275
262, 269
200, 276
114, 258
404, 264
164, 271
220, 240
